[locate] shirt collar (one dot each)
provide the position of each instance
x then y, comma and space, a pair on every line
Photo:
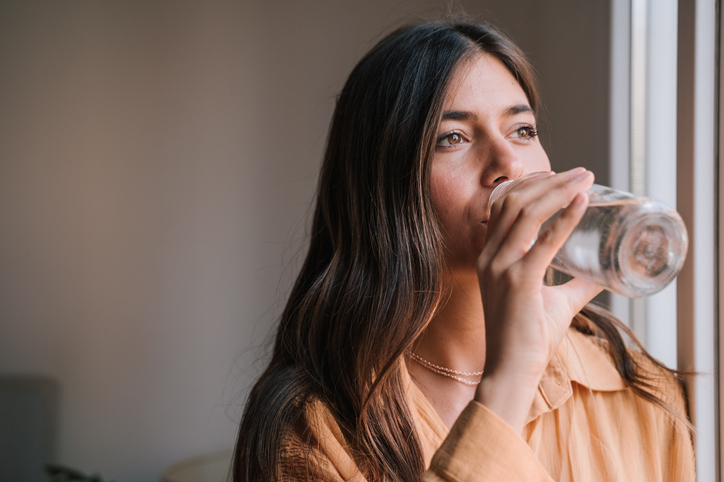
581, 359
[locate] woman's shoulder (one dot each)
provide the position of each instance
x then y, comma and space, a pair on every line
633, 361
315, 447
663, 382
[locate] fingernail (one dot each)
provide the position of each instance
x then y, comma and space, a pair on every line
578, 199
582, 175
576, 170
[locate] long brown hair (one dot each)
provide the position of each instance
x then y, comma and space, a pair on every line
371, 280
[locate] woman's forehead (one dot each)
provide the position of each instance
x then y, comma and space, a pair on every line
485, 81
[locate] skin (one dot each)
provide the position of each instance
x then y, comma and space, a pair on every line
499, 315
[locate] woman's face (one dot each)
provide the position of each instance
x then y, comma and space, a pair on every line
487, 136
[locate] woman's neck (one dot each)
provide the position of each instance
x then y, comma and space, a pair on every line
455, 338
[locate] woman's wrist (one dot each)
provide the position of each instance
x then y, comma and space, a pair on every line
508, 395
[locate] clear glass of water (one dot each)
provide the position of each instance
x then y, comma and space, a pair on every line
631, 245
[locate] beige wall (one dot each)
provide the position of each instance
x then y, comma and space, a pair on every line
157, 160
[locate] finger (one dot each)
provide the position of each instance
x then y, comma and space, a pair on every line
527, 225
519, 184
505, 211
552, 238
530, 186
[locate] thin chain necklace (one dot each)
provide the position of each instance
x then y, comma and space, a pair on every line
446, 372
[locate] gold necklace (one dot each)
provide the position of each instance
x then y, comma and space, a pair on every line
446, 372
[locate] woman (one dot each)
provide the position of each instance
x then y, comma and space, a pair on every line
413, 284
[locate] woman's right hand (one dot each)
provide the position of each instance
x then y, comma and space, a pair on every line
525, 321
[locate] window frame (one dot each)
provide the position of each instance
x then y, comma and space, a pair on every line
698, 113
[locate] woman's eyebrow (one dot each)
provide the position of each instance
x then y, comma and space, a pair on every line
458, 115
518, 109
462, 115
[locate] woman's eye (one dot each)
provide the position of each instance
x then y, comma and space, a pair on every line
450, 139
525, 132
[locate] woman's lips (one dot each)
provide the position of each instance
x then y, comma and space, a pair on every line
485, 221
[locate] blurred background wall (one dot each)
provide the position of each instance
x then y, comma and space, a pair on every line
157, 165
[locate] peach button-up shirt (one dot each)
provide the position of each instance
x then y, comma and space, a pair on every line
584, 425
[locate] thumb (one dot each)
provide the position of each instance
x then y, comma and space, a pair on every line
579, 292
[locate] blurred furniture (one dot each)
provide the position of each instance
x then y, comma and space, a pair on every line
213, 467
28, 419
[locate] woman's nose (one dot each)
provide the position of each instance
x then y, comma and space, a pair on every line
500, 162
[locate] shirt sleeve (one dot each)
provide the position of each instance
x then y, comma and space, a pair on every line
482, 447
